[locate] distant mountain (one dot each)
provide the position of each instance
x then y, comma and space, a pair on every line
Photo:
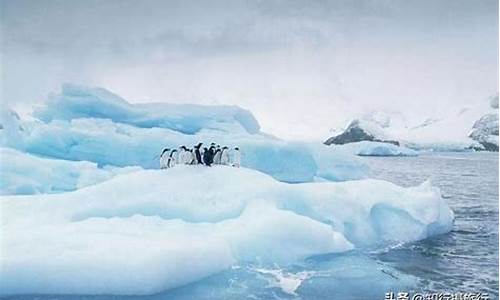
468, 128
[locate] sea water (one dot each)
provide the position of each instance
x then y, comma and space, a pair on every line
466, 259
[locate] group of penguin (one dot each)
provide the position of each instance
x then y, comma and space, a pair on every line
214, 155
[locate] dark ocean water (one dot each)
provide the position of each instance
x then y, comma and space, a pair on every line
466, 259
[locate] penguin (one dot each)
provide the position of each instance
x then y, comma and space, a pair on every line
164, 158
207, 157
191, 157
180, 155
224, 156
172, 159
217, 156
236, 158
211, 151
197, 154
185, 156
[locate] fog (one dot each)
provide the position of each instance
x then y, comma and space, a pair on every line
302, 67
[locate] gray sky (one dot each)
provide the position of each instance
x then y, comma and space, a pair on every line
302, 67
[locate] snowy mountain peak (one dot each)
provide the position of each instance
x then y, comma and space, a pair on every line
474, 127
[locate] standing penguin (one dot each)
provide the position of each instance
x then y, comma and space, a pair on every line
217, 156
172, 159
224, 156
197, 154
180, 155
191, 157
164, 158
208, 156
185, 158
236, 158
202, 151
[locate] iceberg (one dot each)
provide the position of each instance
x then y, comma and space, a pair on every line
87, 211
92, 124
153, 230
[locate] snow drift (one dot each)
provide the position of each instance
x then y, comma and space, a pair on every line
152, 230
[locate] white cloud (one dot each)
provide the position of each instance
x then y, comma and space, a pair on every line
302, 67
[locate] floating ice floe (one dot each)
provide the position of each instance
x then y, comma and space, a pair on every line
154, 230
367, 148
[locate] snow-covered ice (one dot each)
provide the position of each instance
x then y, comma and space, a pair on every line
152, 230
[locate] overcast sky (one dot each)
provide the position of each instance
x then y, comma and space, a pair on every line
302, 67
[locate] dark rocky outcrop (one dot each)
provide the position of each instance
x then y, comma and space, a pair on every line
356, 133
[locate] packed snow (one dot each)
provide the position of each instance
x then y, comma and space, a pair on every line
153, 230
92, 124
